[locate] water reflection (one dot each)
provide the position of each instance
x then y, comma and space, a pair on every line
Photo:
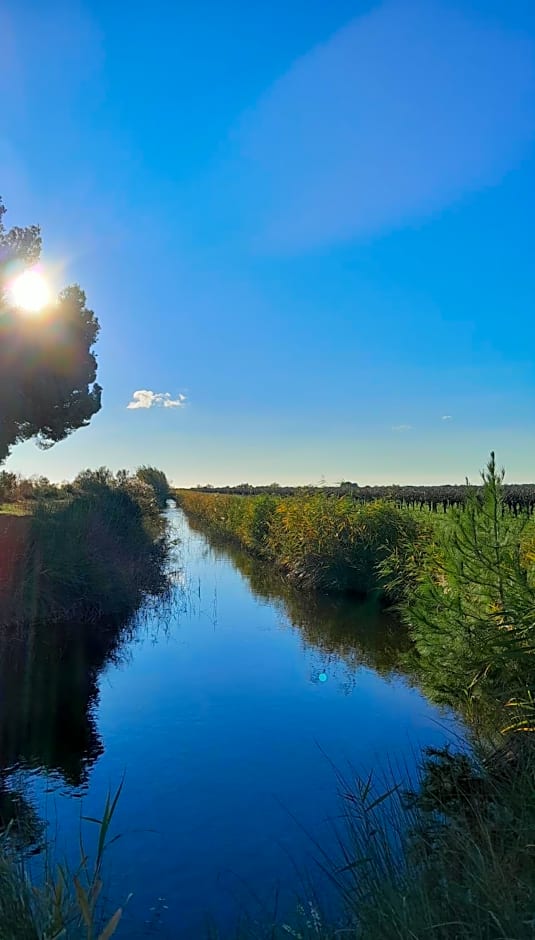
48, 695
337, 627
49, 674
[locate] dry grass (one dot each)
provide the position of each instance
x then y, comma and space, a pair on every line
16, 509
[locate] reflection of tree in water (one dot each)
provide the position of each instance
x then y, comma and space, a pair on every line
17, 813
337, 627
48, 690
48, 693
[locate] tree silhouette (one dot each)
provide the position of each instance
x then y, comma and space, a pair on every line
48, 371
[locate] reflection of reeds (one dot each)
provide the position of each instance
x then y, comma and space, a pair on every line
337, 627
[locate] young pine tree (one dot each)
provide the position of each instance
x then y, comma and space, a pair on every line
472, 616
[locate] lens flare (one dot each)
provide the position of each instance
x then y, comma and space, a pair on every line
30, 292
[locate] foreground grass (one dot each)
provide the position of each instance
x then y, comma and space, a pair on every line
60, 904
451, 861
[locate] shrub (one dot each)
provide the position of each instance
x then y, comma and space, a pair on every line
336, 544
472, 613
98, 553
8, 486
158, 481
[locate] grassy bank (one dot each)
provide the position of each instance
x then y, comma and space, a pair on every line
463, 582
95, 549
319, 542
518, 498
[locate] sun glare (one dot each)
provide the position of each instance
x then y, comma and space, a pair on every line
30, 292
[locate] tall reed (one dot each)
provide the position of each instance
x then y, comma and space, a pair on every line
60, 904
319, 541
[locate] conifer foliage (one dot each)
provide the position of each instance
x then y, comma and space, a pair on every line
472, 615
48, 369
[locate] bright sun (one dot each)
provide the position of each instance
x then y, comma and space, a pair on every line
30, 292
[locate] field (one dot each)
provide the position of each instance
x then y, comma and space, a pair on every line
518, 498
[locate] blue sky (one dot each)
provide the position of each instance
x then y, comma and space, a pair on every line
306, 229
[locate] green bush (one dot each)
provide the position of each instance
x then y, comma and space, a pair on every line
97, 552
472, 613
8, 486
158, 481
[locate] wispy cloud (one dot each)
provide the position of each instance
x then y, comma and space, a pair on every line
144, 398
381, 124
447, 417
402, 427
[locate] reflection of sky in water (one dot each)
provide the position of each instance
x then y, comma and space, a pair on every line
226, 745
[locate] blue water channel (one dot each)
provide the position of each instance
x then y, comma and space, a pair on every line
225, 710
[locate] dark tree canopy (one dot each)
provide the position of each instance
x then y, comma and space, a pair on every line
48, 371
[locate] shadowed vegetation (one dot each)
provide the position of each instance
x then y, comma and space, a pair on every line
96, 549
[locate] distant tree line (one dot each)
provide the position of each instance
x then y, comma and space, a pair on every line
517, 497
146, 484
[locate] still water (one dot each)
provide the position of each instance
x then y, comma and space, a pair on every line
224, 711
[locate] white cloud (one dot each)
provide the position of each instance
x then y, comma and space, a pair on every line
144, 398
447, 417
402, 427
169, 402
